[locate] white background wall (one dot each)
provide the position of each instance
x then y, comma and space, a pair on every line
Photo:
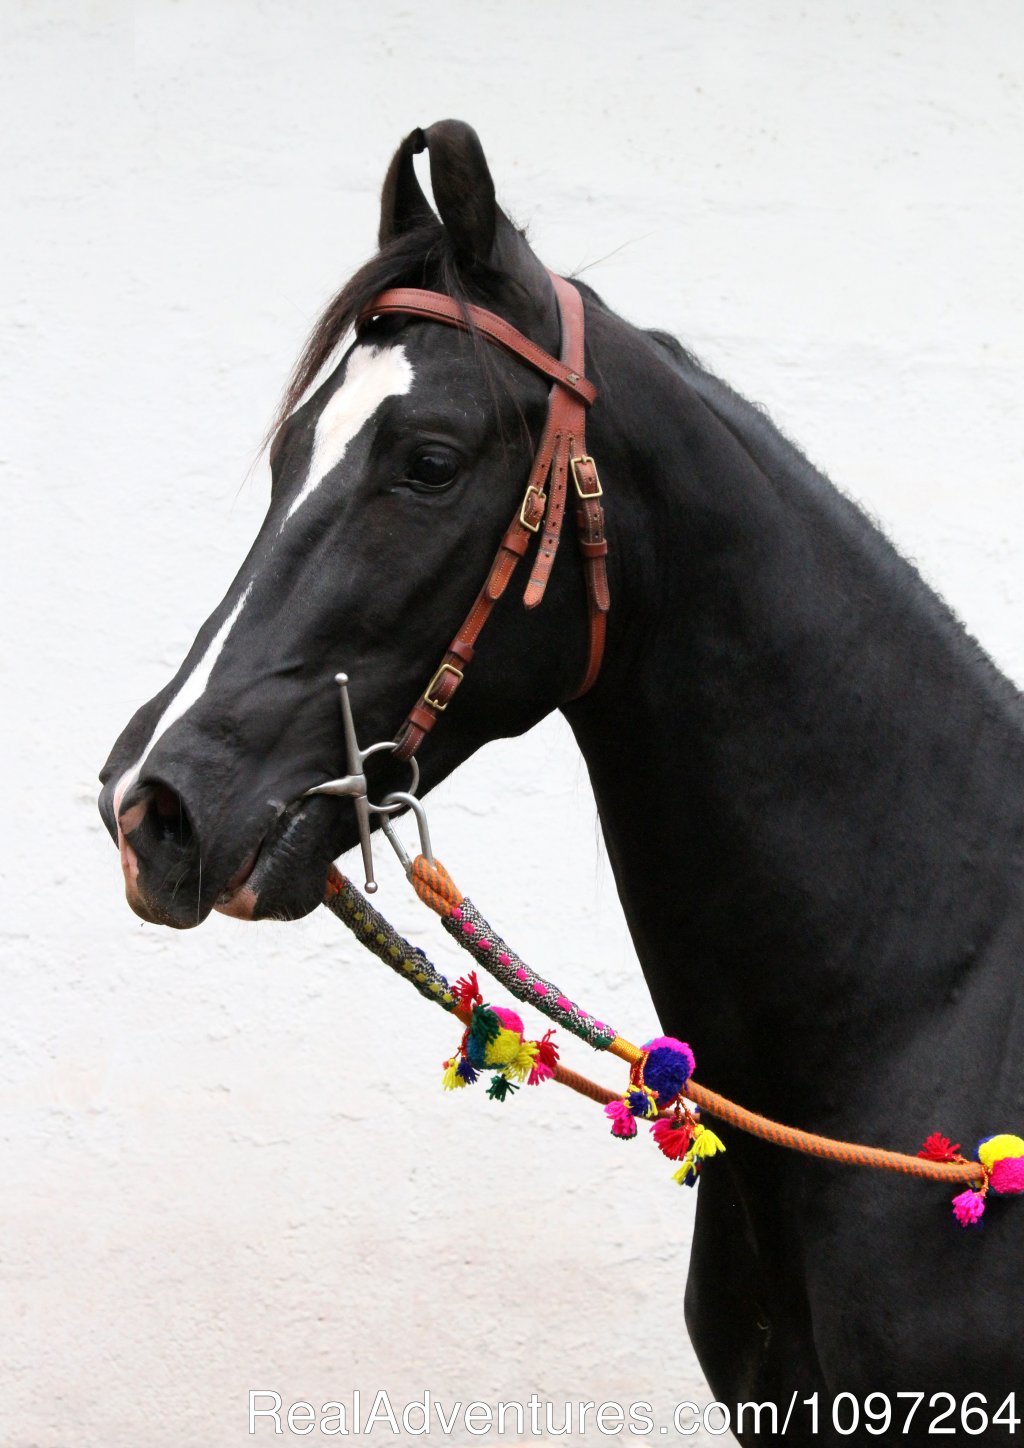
219, 1171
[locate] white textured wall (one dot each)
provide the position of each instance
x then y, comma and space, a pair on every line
205, 1185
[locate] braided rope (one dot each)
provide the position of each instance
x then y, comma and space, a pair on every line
379, 937
369, 927
464, 923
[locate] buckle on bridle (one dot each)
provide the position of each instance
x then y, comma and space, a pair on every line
584, 475
435, 681
533, 527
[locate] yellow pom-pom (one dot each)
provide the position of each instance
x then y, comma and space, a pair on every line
452, 1081
502, 1051
999, 1147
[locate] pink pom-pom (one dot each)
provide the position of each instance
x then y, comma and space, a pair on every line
968, 1207
621, 1118
509, 1019
540, 1072
1008, 1176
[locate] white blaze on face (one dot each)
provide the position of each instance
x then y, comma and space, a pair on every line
191, 690
373, 373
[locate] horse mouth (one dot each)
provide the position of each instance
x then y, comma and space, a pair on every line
283, 877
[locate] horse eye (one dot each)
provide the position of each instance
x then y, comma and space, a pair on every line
432, 468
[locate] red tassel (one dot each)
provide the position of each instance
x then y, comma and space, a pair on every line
673, 1136
547, 1060
937, 1148
547, 1051
467, 991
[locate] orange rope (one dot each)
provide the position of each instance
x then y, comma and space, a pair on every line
808, 1142
848, 1152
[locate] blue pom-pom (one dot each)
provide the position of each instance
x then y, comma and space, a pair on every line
667, 1070
638, 1102
466, 1071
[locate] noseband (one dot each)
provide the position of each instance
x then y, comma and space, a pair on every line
562, 449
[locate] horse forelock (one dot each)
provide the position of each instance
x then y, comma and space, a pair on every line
422, 257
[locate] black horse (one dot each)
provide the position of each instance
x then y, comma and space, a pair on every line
819, 847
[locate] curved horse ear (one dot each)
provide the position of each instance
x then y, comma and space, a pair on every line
480, 230
463, 189
403, 205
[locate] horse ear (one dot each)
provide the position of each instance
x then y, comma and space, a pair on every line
403, 205
463, 188
479, 230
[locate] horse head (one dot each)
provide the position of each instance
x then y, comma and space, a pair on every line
394, 473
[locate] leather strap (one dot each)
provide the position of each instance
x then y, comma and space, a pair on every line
436, 307
562, 449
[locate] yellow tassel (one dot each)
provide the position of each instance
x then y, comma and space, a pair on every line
684, 1168
452, 1081
524, 1060
705, 1142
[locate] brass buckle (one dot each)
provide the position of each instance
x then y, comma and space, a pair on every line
593, 493
436, 703
532, 527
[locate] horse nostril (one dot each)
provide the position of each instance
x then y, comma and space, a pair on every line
170, 816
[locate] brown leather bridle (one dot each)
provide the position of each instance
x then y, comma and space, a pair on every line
562, 449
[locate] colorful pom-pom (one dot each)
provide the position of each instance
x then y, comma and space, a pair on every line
997, 1148
1002, 1157
1007, 1177
621, 1118
672, 1137
500, 1087
969, 1207
641, 1102
484, 1027
509, 1019
667, 1067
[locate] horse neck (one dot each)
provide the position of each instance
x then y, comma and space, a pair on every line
802, 764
